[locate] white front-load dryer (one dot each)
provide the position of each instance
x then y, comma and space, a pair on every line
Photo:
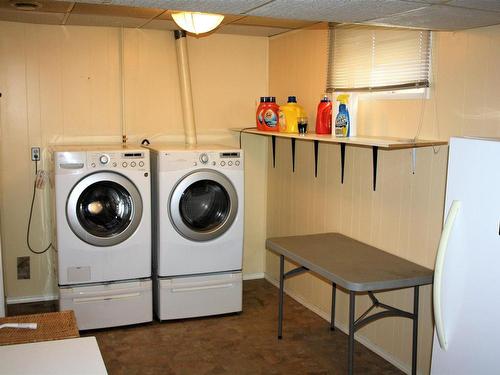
198, 195
103, 233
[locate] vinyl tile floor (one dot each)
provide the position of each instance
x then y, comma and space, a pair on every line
243, 343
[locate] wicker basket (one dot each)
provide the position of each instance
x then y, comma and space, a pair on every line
51, 326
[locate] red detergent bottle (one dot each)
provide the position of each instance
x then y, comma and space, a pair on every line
267, 114
324, 116
258, 114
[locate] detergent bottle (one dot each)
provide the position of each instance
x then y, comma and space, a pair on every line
268, 114
342, 122
288, 115
259, 115
324, 116
271, 115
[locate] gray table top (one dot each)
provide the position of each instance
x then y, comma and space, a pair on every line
349, 263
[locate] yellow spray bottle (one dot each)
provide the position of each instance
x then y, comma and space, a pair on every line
342, 121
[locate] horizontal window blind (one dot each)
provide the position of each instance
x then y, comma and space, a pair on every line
368, 58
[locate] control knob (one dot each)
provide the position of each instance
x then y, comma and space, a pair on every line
204, 158
104, 159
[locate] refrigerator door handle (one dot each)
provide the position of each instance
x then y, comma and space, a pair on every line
438, 272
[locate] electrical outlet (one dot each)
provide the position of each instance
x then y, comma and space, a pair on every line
23, 268
35, 153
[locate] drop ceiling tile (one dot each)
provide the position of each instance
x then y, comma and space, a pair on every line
211, 6
102, 20
334, 10
46, 6
47, 18
492, 5
442, 17
230, 18
251, 30
115, 10
273, 22
428, 1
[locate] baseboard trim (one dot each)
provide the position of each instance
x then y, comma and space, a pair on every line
42, 298
253, 276
359, 338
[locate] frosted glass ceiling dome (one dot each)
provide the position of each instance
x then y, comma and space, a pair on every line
197, 22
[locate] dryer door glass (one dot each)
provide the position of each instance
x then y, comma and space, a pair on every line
104, 209
204, 205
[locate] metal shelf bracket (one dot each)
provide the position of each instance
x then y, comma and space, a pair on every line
316, 152
273, 140
375, 159
342, 162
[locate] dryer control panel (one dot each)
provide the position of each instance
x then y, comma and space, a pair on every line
128, 160
226, 160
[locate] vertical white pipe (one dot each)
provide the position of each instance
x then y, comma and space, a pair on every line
122, 86
185, 86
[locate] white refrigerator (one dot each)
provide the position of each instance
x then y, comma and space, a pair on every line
466, 295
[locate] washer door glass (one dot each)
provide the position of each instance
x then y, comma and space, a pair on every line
104, 209
203, 205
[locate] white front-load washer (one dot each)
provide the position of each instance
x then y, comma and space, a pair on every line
198, 237
103, 233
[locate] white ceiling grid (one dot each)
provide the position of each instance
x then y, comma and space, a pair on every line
491, 5
211, 6
440, 17
334, 10
242, 16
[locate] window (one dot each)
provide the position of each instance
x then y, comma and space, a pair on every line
368, 58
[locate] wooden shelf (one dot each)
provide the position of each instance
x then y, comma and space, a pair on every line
376, 143
390, 143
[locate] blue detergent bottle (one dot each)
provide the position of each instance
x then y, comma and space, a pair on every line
342, 121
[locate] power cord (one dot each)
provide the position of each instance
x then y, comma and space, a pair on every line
31, 215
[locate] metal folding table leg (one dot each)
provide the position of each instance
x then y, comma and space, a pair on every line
280, 305
332, 321
415, 332
350, 350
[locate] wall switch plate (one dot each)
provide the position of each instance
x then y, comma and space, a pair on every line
23, 268
35, 153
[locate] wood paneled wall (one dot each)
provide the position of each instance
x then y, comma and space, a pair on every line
404, 216
63, 85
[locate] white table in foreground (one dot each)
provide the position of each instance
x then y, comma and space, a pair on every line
71, 356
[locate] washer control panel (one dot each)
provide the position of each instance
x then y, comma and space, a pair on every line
229, 159
133, 160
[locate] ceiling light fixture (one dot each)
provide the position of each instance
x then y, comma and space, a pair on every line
196, 22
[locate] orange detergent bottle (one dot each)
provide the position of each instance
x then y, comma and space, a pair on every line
267, 114
288, 115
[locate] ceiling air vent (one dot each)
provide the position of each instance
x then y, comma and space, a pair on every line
25, 5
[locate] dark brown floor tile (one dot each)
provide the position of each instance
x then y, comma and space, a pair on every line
236, 344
